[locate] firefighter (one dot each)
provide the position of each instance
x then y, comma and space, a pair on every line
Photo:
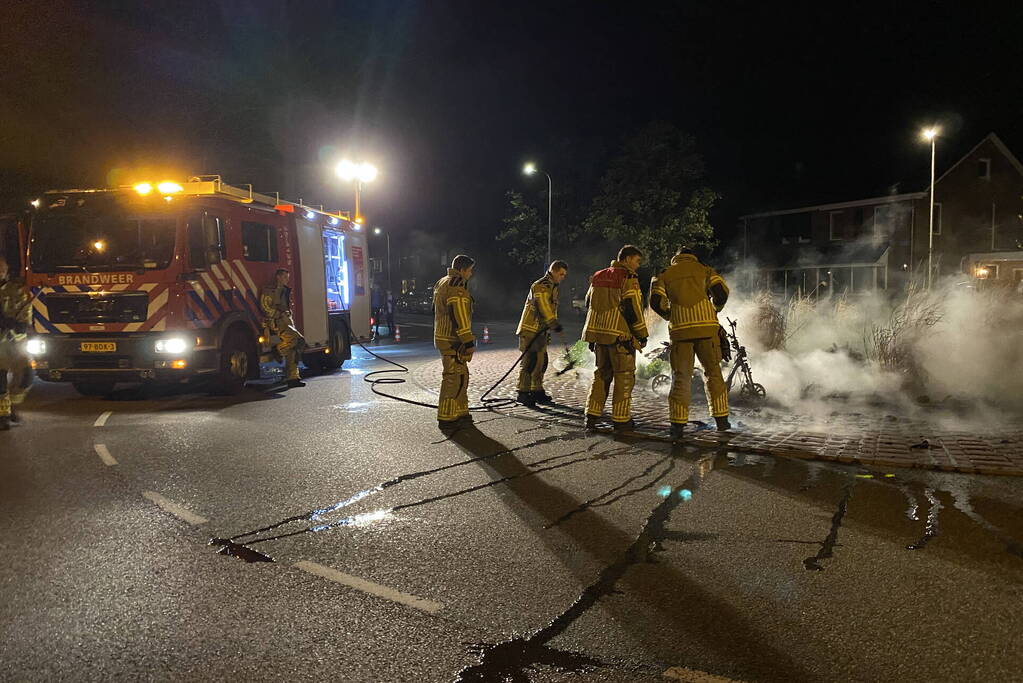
689, 295
615, 330
276, 304
539, 317
15, 317
452, 335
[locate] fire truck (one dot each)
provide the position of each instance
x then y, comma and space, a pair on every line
160, 282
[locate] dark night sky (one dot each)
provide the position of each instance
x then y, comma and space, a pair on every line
789, 102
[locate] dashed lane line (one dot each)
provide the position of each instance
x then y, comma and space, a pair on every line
102, 419
104, 454
173, 508
365, 586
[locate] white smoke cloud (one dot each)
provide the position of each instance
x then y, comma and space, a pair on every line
969, 362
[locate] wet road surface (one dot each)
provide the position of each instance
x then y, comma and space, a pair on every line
357, 543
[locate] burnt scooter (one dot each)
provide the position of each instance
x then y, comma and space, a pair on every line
749, 389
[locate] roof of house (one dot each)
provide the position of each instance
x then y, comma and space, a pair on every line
900, 197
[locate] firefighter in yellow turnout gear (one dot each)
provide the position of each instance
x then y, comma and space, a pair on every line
689, 296
275, 301
615, 330
15, 318
452, 335
539, 318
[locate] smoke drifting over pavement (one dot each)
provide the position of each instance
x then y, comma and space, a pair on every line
957, 347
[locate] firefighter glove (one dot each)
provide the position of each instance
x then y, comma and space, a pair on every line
558, 328
726, 348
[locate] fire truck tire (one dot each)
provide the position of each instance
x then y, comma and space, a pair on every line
93, 388
331, 362
237, 360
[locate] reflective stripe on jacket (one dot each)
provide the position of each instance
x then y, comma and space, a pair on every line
541, 307
614, 306
688, 295
452, 313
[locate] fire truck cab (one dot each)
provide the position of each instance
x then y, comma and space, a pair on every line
162, 283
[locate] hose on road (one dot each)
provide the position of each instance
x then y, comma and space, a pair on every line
375, 379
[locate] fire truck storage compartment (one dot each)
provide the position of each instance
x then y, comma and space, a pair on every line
313, 283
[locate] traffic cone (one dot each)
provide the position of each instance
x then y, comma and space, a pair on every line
397, 333
486, 334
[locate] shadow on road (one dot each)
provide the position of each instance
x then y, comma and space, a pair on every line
727, 631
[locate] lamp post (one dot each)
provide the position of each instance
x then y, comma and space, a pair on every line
530, 169
930, 135
361, 173
386, 234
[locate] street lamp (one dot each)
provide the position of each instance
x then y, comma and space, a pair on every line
387, 234
530, 169
361, 173
930, 134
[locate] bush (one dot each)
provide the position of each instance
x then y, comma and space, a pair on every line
768, 323
653, 368
577, 355
891, 345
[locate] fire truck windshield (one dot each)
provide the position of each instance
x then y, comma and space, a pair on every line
63, 241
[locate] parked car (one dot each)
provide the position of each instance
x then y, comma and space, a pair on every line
415, 302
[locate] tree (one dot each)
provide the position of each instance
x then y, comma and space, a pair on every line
653, 195
524, 230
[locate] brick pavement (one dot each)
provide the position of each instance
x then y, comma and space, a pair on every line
867, 435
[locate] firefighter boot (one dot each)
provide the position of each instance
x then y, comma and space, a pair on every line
5, 423
592, 422
448, 427
15, 418
621, 427
723, 424
542, 397
526, 399
677, 431
295, 383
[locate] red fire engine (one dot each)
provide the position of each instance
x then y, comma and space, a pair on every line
161, 283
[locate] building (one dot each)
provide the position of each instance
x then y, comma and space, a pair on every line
882, 242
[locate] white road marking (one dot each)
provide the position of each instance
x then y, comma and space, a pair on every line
173, 508
681, 673
370, 587
102, 419
104, 454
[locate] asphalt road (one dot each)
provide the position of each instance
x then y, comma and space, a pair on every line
519, 549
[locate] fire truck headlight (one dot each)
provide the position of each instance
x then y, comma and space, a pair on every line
172, 345
143, 188
35, 346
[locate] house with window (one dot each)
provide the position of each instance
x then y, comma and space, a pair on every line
883, 242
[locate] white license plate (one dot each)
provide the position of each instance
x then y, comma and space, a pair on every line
98, 347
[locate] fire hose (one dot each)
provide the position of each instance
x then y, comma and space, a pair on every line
374, 379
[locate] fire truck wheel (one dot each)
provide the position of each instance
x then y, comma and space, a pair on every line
93, 388
237, 356
330, 362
